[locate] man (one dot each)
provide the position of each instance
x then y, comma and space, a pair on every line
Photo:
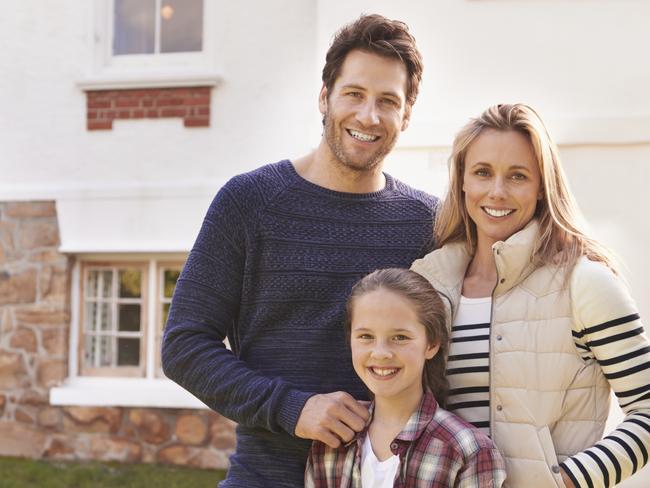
276, 257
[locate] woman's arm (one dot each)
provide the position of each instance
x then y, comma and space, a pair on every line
608, 323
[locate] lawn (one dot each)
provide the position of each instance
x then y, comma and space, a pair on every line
23, 473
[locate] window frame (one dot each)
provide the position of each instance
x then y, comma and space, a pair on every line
111, 371
148, 70
150, 390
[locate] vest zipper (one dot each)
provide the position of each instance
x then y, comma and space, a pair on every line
491, 353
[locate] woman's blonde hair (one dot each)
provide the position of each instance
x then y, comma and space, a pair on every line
562, 240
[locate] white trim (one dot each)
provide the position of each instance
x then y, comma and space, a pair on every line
149, 80
75, 303
152, 324
123, 392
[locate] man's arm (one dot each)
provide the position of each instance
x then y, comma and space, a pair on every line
204, 309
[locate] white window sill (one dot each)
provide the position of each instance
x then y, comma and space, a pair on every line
149, 80
123, 392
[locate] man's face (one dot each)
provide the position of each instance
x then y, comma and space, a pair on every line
365, 110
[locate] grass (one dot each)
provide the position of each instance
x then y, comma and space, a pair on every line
24, 473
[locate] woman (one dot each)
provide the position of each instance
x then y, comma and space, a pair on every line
542, 325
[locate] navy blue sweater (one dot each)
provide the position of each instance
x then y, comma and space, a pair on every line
271, 270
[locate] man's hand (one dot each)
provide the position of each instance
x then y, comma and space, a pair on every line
331, 418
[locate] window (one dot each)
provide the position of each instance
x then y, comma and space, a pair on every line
120, 305
157, 26
152, 43
115, 338
114, 322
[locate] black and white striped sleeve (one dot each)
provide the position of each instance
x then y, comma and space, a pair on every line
607, 322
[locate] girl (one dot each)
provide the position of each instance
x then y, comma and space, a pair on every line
398, 336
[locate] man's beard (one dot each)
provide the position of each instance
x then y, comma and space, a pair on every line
334, 138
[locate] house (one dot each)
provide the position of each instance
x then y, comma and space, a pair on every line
122, 118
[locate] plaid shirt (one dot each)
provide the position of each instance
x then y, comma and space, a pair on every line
436, 449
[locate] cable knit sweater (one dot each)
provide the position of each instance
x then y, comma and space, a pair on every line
271, 270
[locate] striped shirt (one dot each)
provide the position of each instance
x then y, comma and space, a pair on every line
436, 450
621, 349
468, 364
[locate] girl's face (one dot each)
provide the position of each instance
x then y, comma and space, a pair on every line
501, 183
389, 346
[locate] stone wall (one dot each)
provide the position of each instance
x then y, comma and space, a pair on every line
34, 329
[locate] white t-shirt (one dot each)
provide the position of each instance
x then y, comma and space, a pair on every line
376, 473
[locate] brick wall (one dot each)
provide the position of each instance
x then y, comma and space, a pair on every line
192, 104
34, 330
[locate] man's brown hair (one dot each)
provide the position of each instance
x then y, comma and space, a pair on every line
378, 35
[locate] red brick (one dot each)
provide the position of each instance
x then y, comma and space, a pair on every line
196, 122
99, 125
152, 114
124, 114
98, 104
122, 102
23, 210
166, 102
172, 112
194, 101
203, 111
137, 114
147, 103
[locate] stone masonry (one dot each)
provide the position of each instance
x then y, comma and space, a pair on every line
34, 330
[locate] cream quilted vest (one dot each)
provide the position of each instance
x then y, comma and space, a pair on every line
546, 402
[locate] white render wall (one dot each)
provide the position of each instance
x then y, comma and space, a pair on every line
144, 186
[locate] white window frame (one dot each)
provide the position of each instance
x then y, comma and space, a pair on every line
148, 391
107, 71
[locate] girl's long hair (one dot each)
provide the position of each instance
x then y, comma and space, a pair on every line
562, 239
430, 311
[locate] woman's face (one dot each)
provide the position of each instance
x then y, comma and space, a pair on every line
501, 183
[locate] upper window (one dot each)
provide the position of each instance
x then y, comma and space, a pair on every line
157, 26
152, 39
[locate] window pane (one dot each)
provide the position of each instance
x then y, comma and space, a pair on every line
94, 322
165, 314
128, 352
92, 284
134, 27
181, 26
130, 281
129, 318
171, 276
105, 351
89, 349
106, 283
91, 316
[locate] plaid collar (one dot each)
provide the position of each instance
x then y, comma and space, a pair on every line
414, 427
